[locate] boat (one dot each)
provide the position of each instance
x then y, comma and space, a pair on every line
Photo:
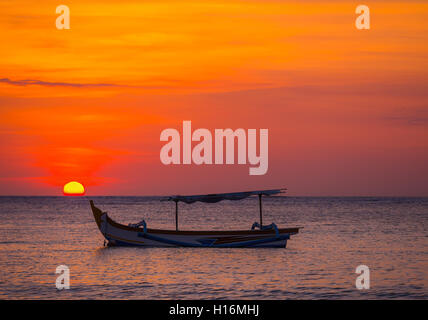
258, 236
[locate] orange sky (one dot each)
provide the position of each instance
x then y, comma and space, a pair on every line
347, 110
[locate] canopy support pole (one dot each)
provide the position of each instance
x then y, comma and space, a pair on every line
260, 206
176, 215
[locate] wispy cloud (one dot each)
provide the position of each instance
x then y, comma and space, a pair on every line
34, 82
30, 82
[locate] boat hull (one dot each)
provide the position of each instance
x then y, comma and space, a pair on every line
121, 235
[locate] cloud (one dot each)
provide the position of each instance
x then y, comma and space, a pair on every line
32, 82
29, 82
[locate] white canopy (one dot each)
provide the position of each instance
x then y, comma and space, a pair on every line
212, 198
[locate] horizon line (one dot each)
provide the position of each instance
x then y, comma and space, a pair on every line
281, 196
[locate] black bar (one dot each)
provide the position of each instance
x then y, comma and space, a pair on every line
266, 309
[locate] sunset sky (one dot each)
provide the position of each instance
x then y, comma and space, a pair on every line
346, 109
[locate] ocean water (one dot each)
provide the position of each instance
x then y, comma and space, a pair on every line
389, 235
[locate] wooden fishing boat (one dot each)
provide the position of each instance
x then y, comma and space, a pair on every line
139, 234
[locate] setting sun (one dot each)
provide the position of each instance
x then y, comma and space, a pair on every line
74, 188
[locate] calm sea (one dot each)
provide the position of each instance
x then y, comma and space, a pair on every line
389, 235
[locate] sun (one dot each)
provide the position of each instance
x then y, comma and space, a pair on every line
74, 188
